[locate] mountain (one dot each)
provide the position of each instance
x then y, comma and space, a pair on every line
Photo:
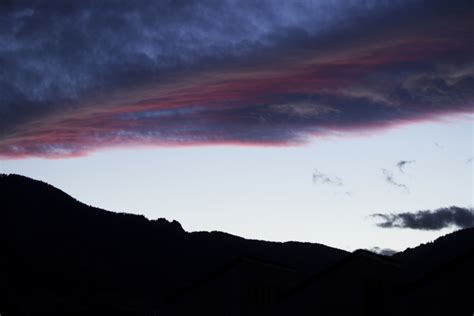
60, 256
438, 253
436, 278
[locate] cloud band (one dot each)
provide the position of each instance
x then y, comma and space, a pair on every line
211, 73
429, 220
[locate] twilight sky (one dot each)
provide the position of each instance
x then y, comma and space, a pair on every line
347, 123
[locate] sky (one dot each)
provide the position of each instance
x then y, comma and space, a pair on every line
348, 123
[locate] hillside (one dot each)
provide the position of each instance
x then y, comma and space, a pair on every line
59, 256
57, 251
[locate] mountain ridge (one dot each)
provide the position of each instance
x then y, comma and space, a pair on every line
56, 231
60, 256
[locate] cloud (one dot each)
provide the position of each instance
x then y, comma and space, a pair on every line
383, 251
429, 220
390, 180
402, 163
319, 177
265, 73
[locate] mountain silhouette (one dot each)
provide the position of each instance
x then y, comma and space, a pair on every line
62, 257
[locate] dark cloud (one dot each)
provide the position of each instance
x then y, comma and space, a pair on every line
319, 177
429, 220
58, 51
77, 76
390, 180
402, 163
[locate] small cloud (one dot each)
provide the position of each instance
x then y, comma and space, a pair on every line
383, 251
390, 180
402, 163
319, 177
347, 194
429, 220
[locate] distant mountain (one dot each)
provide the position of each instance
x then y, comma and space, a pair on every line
62, 257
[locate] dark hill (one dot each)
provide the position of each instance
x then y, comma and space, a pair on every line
60, 256
439, 252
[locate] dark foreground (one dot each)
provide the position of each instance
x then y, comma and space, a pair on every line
61, 257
